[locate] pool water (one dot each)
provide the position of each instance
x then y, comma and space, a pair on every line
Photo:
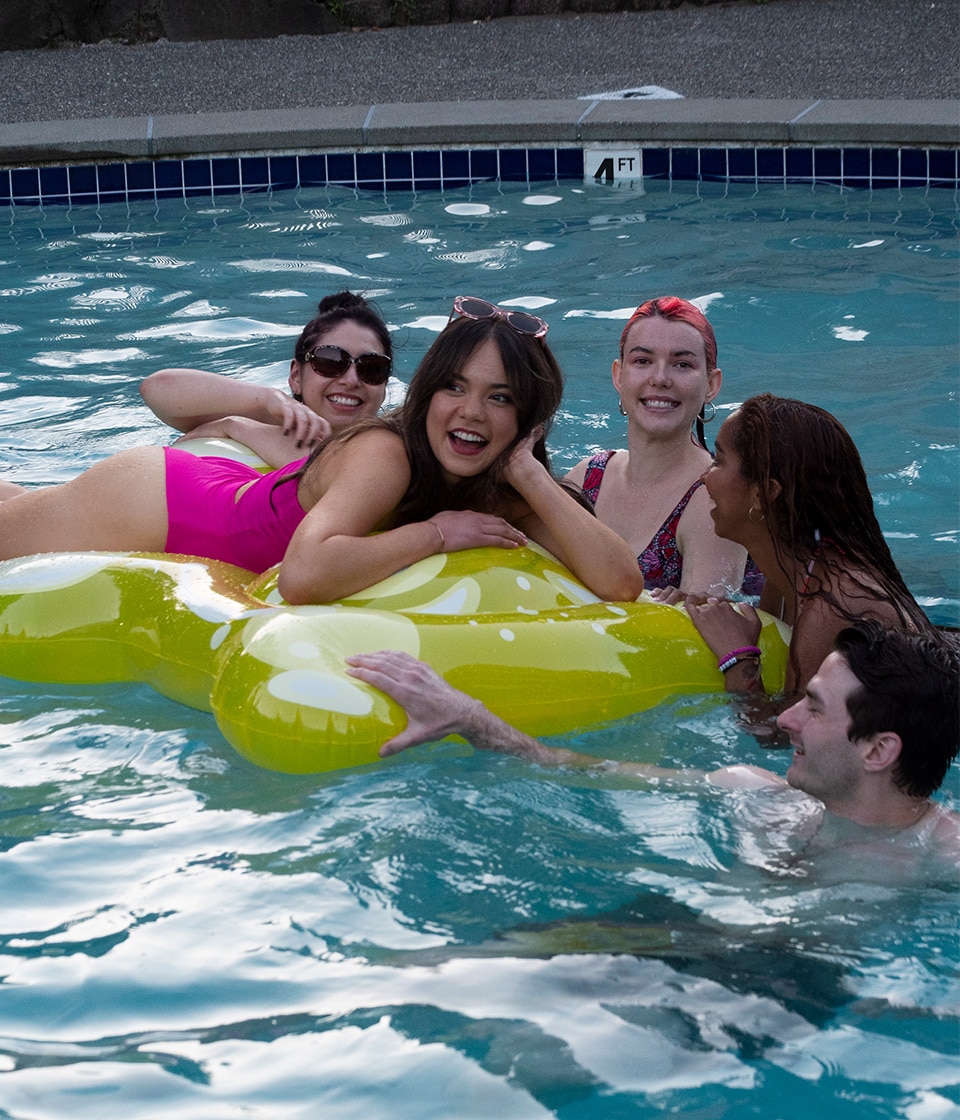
451, 934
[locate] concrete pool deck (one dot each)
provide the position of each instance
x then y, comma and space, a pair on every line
789, 72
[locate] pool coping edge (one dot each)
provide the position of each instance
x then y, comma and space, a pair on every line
465, 124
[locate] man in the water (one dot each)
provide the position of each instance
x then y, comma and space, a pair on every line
873, 735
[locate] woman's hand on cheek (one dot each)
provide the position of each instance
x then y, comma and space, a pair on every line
522, 461
463, 529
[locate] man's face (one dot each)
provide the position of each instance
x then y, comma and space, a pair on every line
826, 764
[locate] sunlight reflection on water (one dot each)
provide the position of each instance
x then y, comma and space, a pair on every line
451, 934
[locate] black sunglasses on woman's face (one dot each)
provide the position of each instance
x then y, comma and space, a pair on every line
334, 361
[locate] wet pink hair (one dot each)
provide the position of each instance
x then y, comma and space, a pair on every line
680, 311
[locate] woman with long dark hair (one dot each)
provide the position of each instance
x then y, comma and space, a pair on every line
462, 464
338, 376
788, 484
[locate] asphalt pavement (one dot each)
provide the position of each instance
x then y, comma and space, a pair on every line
827, 49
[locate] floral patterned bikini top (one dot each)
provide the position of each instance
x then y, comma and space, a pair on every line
661, 561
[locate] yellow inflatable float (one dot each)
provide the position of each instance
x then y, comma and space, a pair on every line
512, 627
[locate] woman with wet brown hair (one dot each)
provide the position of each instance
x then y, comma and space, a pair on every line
788, 484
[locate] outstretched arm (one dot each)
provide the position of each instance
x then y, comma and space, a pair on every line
436, 709
188, 398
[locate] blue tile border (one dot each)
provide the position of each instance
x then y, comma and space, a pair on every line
861, 168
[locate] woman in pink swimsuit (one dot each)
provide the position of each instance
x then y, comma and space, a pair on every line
330, 393
651, 494
462, 464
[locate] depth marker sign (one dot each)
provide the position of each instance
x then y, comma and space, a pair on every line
605, 166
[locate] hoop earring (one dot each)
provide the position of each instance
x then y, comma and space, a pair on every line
756, 509
713, 412
623, 411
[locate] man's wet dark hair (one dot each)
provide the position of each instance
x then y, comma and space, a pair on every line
909, 684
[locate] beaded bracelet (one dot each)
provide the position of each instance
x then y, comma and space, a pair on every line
744, 653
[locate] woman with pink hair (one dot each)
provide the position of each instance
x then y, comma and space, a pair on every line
651, 494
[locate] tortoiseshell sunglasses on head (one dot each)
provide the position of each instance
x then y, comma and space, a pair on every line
472, 307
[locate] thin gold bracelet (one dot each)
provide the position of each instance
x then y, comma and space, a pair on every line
443, 542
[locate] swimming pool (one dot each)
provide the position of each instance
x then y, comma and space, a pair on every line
449, 934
